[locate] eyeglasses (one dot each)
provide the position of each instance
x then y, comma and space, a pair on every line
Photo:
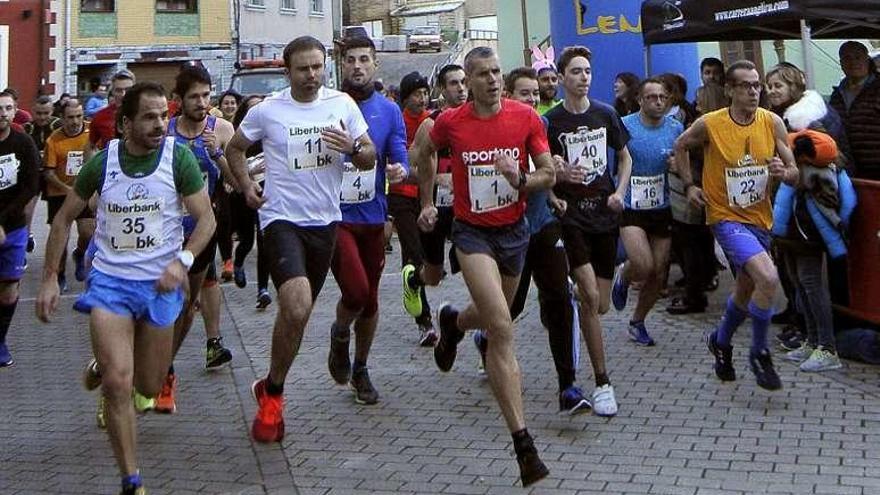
757, 86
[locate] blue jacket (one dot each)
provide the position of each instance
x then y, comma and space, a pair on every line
832, 235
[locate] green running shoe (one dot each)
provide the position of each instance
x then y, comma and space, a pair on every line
412, 300
142, 403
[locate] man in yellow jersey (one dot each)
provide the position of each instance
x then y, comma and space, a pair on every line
745, 146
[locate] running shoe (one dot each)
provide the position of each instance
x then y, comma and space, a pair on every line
762, 367
531, 468
268, 425
5, 357
482, 344
604, 402
142, 403
428, 335
240, 277
364, 391
800, 354
639, 334
723, 358
572, 401
412, 300
338, 359
165, 401
620, 290
132, 485
101, 413
91, 376
79, 262
226, 273
450, 336
821, 359
216, 356
263, 299
793, 342
135, 490
30, 244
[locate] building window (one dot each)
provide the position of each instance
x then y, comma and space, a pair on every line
261, 4
97, 6
289, 5
184, 6
317, 6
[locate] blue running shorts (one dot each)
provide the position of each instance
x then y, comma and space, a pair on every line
137, 299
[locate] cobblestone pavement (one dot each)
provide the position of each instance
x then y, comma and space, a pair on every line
679, 430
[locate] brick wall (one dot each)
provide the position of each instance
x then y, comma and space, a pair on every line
30, 64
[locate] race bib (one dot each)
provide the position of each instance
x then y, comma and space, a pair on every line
74, 162
588, 149
489, 190
135, 225
8, 171
358, 186
444, 191
307, 151
252, 163
646, 193
746, 186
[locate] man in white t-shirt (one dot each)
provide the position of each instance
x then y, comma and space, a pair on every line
305, 130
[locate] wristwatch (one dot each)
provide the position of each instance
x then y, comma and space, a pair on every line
356, 148
186, 258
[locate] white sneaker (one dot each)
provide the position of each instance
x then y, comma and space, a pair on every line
604, 403
821, 360
800, 354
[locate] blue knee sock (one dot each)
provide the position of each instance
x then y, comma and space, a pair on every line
732, 319
760, 324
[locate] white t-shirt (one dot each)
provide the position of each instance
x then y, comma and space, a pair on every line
303, 176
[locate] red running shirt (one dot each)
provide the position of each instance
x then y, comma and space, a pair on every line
482, 196
103, 127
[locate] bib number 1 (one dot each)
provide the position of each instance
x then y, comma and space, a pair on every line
489, 190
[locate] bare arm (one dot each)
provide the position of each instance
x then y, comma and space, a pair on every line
199, 207
624, 171
787, 170
237, 163
544, 176
48, 296
693, 137
52, 178
224, 132
424, 163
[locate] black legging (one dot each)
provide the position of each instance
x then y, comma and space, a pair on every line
245, 222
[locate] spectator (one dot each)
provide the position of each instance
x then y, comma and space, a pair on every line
228, 103
710, 97
97, 101
626, 92
857, 100
679, 107
712, 71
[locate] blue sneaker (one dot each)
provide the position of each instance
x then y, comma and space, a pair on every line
639, 334
482, 344
5, 358
79, 261
240, 277
619, 290
572, 401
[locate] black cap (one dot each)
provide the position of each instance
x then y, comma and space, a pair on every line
412, 82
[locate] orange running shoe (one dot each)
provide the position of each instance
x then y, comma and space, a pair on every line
165, 401
226, 274
269, 423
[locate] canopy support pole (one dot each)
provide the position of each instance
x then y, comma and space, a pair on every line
808, 54
647, 61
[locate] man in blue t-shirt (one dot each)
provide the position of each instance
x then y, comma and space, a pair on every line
647, 219
359, 256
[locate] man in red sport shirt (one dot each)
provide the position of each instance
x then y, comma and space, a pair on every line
103, 126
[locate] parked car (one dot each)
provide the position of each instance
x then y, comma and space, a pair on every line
425, 38
264, 77
354, 32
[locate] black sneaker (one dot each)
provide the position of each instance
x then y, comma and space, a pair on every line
427, 335
723, 358
762, 367
572, 401
364, 392
263, 299
793, 342
450, 336
338, 360
217, 356
531, 468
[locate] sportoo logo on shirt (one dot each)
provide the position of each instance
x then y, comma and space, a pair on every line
487, 156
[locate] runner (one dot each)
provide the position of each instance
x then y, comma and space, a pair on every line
547, 264
490, 138
548, 83
305, 132
20, 166
360, 238
206, 136
646, 228
450, 78
403, 209
39, 129
103, 128
741, 147
135, 287
65, 149
590, 136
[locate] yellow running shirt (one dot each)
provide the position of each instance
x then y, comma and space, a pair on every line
735, 174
